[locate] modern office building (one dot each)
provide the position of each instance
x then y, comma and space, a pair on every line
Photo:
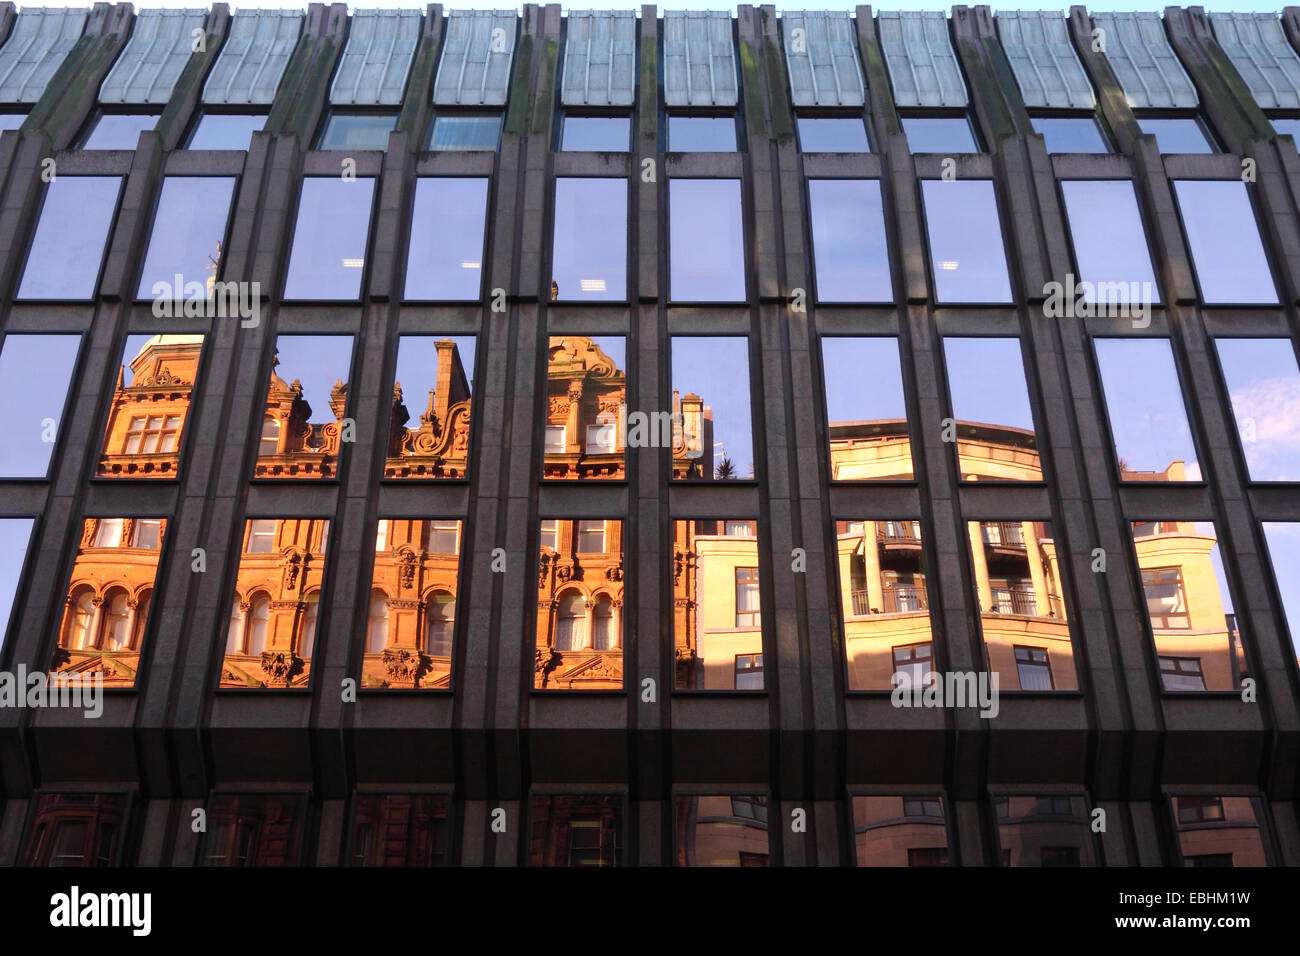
653, 438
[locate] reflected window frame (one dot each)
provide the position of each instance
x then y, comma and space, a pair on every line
618, 800
907, 795
1239, 645
736, 796
1177, 827
1001, 802
759, 661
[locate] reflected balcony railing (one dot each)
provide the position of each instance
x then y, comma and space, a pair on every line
1004, 534
1016, 601
902, 599
899, 532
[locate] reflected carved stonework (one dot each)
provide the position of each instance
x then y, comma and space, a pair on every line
439, 446
580, 608
147, 417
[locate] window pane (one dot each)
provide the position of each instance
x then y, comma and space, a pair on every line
1110, 245
307, 395
1264, 386
445, 258
967, 257
1287, 127
1021, 597
119, 130
701, 134
706, 234
886, 833
431, 407
71, 235
357, 131
712, 434
415, 579
831, 134
579, 605
1226, 835
226, 130
15, 536
990, 402
146, 415
586, 419
1189, 607
939, 134
125, 552
1044, 831
1144, 401
280, 607
189, 227
399, 830
1070, 134
466, 132
330, 238
1227, 253
1177, 134
611, 134
12, 121
849, 245
717, 608
865, 410
722, 830
576, 830
589, 253
35, 372
1283, 539
884, 602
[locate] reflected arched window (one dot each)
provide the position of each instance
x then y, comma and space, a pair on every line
235, 633
117, 621
377, 632
270, 443
259, 624
603, 637
307, 636
83, 617
442, 616
571, 623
